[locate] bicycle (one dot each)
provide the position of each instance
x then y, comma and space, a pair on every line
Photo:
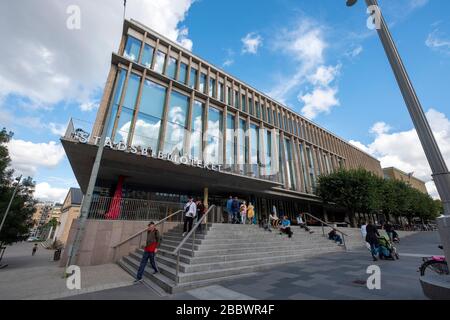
437, 264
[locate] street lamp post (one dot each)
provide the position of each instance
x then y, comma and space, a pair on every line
10, 202
440, 173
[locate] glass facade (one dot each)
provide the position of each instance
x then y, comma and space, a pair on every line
268, 153
243, 146
259, 151
176, 124
147, 56
212, 87
148, 121
202, 86
193, 78
254, 150
159, 62
230, 146
182, 77
197, 130
213, 150
171, 67
289, 164
126, 113
121, 76
132, 49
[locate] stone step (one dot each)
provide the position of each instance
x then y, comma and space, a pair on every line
245, 260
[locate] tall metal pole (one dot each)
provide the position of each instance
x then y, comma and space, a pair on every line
10, 202
87, 199
440, 173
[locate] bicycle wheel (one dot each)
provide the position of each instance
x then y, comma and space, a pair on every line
439, 267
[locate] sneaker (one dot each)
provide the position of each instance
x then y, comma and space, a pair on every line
375, 259
136, 281
155, 272
184, 233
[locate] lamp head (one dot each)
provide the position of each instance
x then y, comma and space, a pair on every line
350, 3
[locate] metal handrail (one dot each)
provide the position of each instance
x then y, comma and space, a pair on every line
194, 228
139, 233
330, 226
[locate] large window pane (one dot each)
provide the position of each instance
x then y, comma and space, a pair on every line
254, 150
146, 132
213, 152
236, 99
243, 146
289, 165
250, 106
244, 103
312, 173
124, 125
152, 99
212, 87
183, 72
147, 56
230, 140
197, 130
303, 167
132, 91
268, 153
120, 82
159, 63
202, 87
132, 48
171, 67
193, 78
229, 95
221, 92
176, 124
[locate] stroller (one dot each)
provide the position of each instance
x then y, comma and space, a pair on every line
386, 249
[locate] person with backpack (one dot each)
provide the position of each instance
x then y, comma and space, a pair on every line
372, 238
190, 211
230, 209
151, 248
200, 213
235, 207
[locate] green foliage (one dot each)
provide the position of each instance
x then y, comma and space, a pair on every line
363, 192
18, 221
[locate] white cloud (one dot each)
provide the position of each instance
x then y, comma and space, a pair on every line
48, 63
227, 63
57, 129
306, 45
380, 128
45, 192
251, 43
403, 149
438, 42
319, 101
27, 156
324, 75
89, 106
355, 52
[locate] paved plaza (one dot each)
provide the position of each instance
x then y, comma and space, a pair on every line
333, 276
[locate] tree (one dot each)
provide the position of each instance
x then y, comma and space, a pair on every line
18, 221
357, 190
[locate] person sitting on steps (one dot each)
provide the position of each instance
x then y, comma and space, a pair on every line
332, 235
302, 224
286, 226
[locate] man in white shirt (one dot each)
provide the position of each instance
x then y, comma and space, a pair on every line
190, 211
364, 233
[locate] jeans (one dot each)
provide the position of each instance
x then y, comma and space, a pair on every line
374, 249
287, 230
145, 257
244, 218
188, 221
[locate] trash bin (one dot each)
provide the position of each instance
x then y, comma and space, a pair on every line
57, 255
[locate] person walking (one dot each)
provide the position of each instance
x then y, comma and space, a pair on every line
235, 209
230, 209
250, 212
372, 238
243, 212
33, 252
151, 248
200, 213
190, 211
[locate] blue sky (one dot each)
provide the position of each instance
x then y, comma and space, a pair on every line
318, 57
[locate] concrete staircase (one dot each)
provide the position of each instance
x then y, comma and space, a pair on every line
223, 252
